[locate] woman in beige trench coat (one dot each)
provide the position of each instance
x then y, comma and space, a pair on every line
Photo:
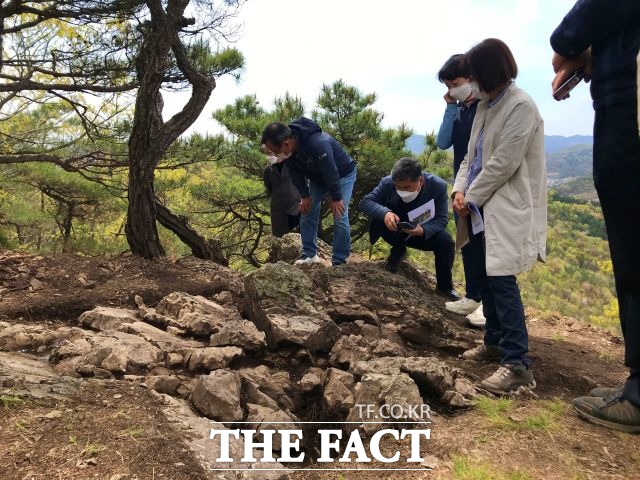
503, 179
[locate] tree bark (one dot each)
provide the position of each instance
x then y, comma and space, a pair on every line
201, 248
151, 137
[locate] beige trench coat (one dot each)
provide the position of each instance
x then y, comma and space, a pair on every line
512, 186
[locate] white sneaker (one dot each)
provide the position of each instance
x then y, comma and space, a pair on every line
476, 318
303, 260
464, 306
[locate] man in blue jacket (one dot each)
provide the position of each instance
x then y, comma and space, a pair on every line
411, 195
604, 38
315, 156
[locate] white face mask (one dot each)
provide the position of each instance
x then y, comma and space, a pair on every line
407, 197
272, 159
461, 92
479, 94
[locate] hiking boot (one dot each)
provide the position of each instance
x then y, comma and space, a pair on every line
464, 306
604, 391
476, 319
612, 412
508, 379
304, 260
483, 353
395, 258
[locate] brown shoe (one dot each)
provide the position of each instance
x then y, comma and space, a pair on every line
483, 353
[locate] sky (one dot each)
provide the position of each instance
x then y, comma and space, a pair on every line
393, 49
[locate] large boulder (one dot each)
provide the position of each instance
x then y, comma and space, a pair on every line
211, 358
107, 318
239, 333
280, 302
217, 396
194, 313
339, 390
398, 392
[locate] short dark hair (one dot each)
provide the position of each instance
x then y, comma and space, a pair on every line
491, 64
453, 68
276, 133
406, 168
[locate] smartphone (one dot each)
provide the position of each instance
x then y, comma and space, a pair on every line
563, 91
405, 226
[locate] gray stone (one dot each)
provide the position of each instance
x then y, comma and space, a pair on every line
107, 318
239, 333
211, 358
339, 390
217, 396
163, 383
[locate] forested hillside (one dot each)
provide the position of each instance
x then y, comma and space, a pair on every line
216, 183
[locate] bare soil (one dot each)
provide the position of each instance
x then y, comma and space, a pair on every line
116, 430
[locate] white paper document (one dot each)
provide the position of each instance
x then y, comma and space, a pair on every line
477, 224
423, 213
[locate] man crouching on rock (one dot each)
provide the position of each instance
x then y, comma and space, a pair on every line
409, 209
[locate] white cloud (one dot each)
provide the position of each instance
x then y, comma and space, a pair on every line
394, 49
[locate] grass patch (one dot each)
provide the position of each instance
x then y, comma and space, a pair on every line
92, 448
134, 432
465, 468
10, 402
542, 415
22, 425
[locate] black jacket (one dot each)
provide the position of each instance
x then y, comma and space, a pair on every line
612, 29
384, 199
319, 157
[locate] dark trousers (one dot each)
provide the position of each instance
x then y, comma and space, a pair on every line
473, 269
616, 174
441, 244
502, 307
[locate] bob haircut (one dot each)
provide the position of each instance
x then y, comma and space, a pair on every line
491, 64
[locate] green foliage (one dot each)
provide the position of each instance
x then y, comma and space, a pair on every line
466, 468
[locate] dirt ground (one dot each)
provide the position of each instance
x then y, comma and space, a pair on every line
115, 429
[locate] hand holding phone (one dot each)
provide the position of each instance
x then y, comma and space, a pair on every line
405, 226
563, 91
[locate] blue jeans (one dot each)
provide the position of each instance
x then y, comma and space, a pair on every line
341, 228
502, 307
473, 267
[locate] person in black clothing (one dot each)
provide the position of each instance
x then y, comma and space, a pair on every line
455, 131
318, 166
411, 195
284, 199
604, 39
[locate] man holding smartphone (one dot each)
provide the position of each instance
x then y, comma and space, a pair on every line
409, 209
604, 39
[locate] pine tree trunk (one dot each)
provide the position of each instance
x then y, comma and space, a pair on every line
200, 247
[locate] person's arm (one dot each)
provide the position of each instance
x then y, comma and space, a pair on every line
515, 138
441, 218
445, 134
267, 180
589, 21
371, 205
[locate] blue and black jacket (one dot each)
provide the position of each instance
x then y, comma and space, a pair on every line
456, 129
384, 199
319, 157
612, 29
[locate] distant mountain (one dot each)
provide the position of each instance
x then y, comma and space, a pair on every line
580, 187
552, 143
570, 162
